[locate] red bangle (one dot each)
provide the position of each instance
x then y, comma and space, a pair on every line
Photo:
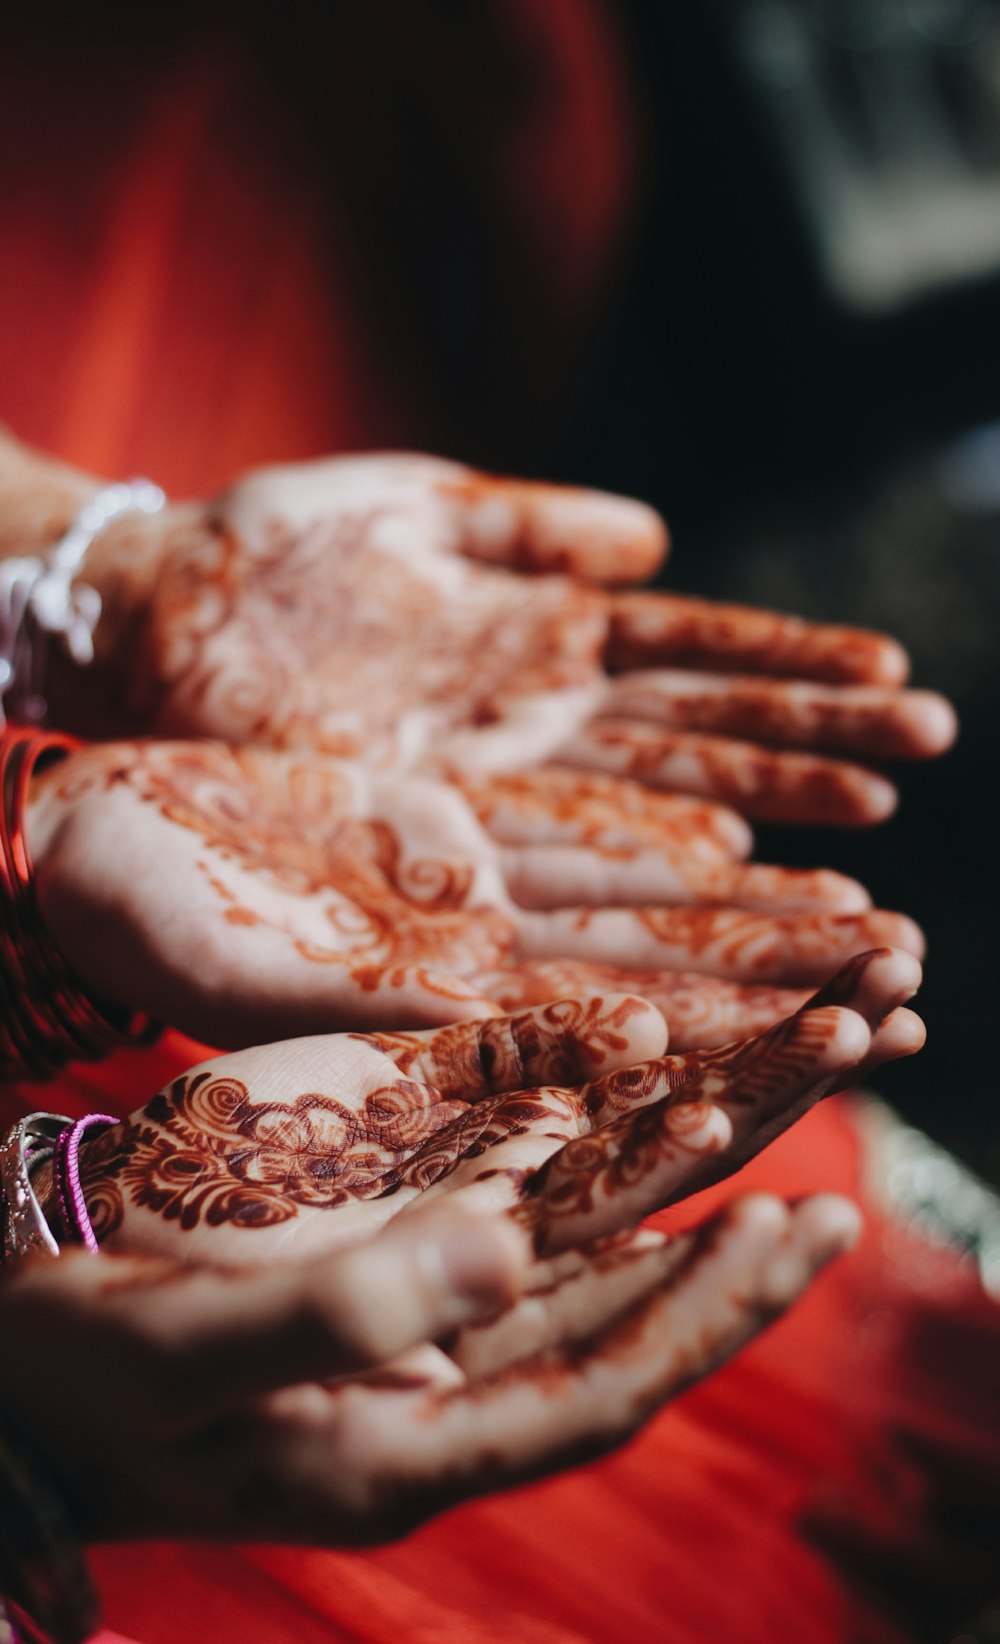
48, 1017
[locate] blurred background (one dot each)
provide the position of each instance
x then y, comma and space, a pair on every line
739, 257
806, 380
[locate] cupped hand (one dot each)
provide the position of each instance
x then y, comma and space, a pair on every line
408, 610
245, 893
569, 1115
307, 1402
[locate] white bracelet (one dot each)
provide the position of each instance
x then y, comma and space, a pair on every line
41, 594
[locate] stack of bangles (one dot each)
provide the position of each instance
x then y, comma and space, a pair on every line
42, 1571
48, 1018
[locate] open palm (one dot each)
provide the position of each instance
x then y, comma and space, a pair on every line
410, 611
569, 1113
242, 894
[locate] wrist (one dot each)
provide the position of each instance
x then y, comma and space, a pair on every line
39, 497
50, 1018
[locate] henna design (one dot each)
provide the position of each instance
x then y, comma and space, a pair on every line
204, 1150
663, 1135
874, 721
611, 1164
702, 1012
651, 630
766, 785
609, 814
560, 1040
294, 823
755, 1074
294, 641
732, 943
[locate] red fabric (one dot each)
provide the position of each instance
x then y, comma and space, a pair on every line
804, 1492
188, 286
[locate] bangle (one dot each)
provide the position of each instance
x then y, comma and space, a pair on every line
42, 1569
75, 1224
38, 596
48, 1017
28, 1144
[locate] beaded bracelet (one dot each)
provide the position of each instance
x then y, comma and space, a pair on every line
47, 1018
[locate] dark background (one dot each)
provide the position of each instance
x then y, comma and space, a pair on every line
800, 451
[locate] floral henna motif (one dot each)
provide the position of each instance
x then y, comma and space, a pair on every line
294, 824
765, 784
204, 1150
561, 1040
608, 814
702, 1012
296, 642
611, 1164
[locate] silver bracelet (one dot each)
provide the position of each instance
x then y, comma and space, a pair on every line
40, 594
25, 1230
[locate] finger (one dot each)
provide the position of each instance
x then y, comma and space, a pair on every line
553, 806
555, 876
527, 526
873, 983
740, 1271
683, 1122
901, 1034
869, 721
561, 1042
736, 945
604, 1283
700, 1011
206, 1341
650, 630
767, 785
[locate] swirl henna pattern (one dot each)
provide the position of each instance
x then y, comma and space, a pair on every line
342, 897
375, 607
369, 1125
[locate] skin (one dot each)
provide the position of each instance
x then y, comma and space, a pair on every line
570, 1115
240, 892
298, 1392
308, 1403
416, 613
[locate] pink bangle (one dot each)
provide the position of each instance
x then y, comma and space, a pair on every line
66, 1180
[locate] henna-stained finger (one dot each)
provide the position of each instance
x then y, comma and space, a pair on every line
684, 1121
701, 1012
423, 1452
650, 630
210, 1340
901, 1034
766, 784
529, 526
560, 1042
603, 1282
873, 983
558, 876
734, 944
558, 806
867, 721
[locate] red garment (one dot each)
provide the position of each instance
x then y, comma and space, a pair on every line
195, 277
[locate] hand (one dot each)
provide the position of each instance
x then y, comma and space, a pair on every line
305, 1402
569, 1115
241, 894
379, 607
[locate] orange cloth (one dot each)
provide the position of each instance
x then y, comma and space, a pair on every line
189, 286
